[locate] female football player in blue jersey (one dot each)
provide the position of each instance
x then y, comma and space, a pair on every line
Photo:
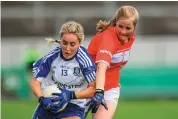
70, 67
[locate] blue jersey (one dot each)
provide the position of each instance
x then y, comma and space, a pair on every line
72, 74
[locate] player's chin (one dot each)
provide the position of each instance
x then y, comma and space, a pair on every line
68, 56
123, 38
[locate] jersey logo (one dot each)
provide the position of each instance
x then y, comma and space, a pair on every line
121, 57
76, 71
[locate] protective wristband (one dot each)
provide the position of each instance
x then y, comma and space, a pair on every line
99, 91
40, 99
73, 96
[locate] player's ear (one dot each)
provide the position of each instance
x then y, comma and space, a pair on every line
81, 42
60, 41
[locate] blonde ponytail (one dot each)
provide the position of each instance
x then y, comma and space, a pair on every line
102, 25
50, 40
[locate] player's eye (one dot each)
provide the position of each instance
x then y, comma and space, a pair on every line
64, 43
120, 26
72, 44
128, 28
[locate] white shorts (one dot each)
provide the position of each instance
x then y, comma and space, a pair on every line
112, 95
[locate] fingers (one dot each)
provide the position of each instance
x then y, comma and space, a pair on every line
56, 107
55, 99
104, 104
88, 103
58, 98
48, 107
91, 106
94, 110
57, 94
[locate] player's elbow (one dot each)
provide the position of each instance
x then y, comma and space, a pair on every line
101, 66
34, 83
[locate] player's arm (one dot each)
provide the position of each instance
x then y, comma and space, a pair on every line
88, 92
35, 87
41, 70
46, 102
100, 75
103, 58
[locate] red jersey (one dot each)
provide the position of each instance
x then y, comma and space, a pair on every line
105, 47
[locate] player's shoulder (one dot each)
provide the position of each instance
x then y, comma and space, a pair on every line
54, 51
108, 37
107, 34
82, 48
83, 57
53, 54
82, 52
110, 32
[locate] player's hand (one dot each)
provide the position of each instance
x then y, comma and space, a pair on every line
47, 102
95, 101
64, 97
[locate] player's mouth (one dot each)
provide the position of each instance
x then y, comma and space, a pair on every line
66, 53
123, 37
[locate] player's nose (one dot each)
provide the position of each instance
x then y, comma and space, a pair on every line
68, 47
123, 31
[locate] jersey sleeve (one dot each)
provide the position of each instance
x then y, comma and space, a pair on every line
87, 66
42, 67
106, 49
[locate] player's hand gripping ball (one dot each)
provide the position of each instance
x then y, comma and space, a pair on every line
48, 91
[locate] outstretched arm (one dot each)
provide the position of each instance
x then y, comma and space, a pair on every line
100, 75
98, 98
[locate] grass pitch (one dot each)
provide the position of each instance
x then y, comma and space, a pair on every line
167, 109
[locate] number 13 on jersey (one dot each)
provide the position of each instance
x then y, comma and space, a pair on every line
64, 72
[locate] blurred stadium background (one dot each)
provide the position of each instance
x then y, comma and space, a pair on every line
149, 80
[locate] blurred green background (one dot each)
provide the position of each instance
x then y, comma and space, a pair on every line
149, 82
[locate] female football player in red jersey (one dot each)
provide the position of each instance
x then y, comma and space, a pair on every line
110, 49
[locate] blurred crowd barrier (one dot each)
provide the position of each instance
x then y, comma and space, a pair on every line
152, 70
44, 18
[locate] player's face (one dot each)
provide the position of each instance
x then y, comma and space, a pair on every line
70, 44
124, 29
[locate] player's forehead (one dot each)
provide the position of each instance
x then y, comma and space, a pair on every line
125, 21
69, 37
